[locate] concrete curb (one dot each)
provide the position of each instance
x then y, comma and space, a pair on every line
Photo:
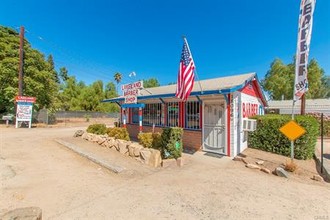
112, 167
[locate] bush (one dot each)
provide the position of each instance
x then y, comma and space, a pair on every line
171, 142
118, 133
145, 139
326, 122
150, 140
267, 137
97, 129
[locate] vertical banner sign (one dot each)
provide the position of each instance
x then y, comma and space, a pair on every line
304, 38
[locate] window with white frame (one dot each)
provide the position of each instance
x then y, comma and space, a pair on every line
173, 114
152, 114
192, 110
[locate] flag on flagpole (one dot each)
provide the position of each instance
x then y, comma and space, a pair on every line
304, 38
186, 76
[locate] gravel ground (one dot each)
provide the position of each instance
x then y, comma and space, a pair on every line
36, 171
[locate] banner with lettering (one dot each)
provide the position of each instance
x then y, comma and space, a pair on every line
304, 38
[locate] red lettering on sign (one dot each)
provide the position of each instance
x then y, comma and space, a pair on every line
249, 109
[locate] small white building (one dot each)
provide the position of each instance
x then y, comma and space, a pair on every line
214, 118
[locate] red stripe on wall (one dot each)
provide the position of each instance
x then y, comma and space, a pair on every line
228, 126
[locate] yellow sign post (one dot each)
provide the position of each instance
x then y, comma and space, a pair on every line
292, 131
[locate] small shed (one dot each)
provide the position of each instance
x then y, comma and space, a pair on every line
214, 118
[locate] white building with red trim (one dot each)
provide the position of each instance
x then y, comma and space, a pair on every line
214, 118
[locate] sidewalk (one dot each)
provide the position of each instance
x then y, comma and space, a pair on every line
326, 156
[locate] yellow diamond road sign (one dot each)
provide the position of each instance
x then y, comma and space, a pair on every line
292, 130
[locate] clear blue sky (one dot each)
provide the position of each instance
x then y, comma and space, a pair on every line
95, 39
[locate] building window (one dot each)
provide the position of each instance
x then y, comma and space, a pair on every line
193, 115
152, 114
173, 114
135, 115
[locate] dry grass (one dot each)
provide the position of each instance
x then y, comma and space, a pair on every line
290, 166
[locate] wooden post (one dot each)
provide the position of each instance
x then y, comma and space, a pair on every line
21, 56
303, 105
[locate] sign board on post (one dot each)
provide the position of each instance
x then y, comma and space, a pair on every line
24, 109
131, 91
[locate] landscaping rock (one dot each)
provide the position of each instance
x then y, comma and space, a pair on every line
145, 155
318, 178
155, 159
28, 213
260, 162
238, 158
252, 166
265, 170
134, 149
279, 171
78, 133
179, 161
168, 162
101, 139
122, 146
85, 136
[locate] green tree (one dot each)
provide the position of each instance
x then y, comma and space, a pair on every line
64, 74
117, 77
279, 80
149, 83
39, 78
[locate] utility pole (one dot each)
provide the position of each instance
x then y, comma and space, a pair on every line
21, 56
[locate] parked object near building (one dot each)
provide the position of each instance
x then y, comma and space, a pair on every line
312, 106
212, 117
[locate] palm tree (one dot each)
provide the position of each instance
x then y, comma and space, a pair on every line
117, 77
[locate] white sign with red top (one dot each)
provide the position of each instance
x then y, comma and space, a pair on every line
131, 91
24, 109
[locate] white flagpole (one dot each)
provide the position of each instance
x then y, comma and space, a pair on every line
199, 83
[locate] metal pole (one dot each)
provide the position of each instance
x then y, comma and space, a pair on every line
322, 143
292, 143
303, 105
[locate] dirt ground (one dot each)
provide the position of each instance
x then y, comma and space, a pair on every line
36, 171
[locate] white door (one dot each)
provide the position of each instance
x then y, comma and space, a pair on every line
214, 128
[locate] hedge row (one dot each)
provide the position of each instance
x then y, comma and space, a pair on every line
116, 132
267, 137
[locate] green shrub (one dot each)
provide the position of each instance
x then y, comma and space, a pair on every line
145, 139
150, 140
97, 129
118, 133
267, 137
171, 142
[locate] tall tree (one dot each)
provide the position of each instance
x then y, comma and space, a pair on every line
64, 74
117, 77
39, 80
279, 80
149, 83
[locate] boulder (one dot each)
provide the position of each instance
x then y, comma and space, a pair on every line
179, 161
134, 149
122, 146
85, 136
318, 178
260, 162
155, 159
30, 213
279, 171
78, 133
238, 158
265, 170
168, 162
145, 155
101, 139
252, 166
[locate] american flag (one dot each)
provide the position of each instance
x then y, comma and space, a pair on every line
186, 77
